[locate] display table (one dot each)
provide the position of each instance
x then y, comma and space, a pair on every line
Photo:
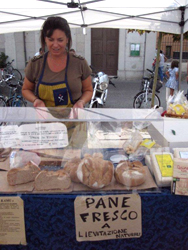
50, 224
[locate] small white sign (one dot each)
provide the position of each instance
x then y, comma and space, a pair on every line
184, 155
34, 136
43, 135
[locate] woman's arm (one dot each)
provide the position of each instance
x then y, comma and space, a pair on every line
167, 73
28, 93
87, 92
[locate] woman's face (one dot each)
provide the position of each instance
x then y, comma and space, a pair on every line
57, 42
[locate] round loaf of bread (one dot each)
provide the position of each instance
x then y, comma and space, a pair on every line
95, 172
71, 167
130, 174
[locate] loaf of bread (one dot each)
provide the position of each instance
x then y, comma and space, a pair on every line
52, 180
22, 175
95, 155
95, 172
71, 167
130, 174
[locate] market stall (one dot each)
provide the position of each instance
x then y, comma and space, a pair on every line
121, 177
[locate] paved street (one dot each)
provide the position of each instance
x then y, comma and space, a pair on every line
122, 96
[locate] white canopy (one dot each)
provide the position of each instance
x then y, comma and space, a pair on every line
160, 15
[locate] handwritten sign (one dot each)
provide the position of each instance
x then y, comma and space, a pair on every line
107, 217
34, 136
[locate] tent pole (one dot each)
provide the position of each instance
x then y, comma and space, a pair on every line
144, 61
156, 69
181, 23
25, 51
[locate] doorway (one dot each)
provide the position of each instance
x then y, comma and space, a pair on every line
104, 50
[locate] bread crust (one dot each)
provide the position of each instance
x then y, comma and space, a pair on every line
52, 180
130, 174
95, 172
71, 167
26, 174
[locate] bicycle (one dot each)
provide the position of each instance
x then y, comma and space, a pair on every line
12, 71
5, 78
14, 99
144, 97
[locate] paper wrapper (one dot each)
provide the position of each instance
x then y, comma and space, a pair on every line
75, 187
26, 188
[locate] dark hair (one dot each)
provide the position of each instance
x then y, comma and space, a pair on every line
174, 64
53, 23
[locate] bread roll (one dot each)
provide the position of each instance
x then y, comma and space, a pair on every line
130, 174
22, 175
52, 180
95, 172
71, 167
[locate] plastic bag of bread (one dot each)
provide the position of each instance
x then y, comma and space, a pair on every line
177, 104
140, 153
95, 172
21, 158
131, 145
130, 174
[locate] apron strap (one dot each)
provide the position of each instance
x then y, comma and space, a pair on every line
66, 80
43, 66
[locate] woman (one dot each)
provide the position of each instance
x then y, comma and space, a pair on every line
57, 78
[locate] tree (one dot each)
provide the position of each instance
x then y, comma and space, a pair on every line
3, 59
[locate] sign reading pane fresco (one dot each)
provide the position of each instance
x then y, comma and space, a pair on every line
108, 217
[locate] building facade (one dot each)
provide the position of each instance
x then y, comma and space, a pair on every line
115, 52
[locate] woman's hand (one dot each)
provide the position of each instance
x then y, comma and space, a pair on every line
79, 104
38, 103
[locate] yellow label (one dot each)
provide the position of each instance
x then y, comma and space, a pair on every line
179, 109
147, 143
166, 164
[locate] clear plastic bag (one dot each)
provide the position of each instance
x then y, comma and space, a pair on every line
154, 114
142, 150
177, 104
21, 158
131, 145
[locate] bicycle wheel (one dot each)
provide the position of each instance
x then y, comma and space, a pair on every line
2, 102
17, 76
143, 101
16, 102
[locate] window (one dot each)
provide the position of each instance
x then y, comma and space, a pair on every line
135, 49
